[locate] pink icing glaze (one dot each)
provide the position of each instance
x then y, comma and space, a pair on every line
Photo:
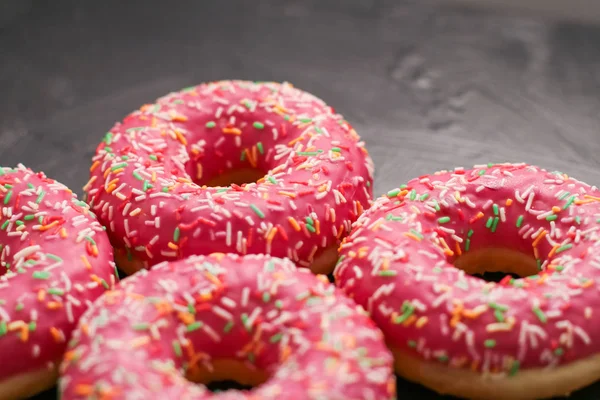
318, 181
138, 341
55, 258
397, 263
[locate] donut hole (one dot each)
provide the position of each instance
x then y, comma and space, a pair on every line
494, 264
227, 374
237, 177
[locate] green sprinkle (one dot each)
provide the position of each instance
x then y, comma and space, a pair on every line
191, 308
388, 272
578, 220
495, 224
520, 221
7, 186
19, 306
413, 195
56, 291
19, 223
497, 306
176, 235
141, 326
228, 327
272, 180
416, 233
177, 348
41, 275
260, 148
32, 326
393, 193
136, 128
481, 172
104, 284
499, 316
305, 120
89, 239
4, 225
495, 208
470, 233
29, 217
7, 197
489, 222
258, 125
257, 211
559, 351
310, 221
165, 189
552, 217
308, 153
563, 248
279, 304
53, 257
336, 149
489, 343
569, 202
424, 197
412, 344
3, 324
540, 314
467, 244
147, 185
243, 156
244, 318
125, 158
137, 176
153, 157
514, 368
443, 220
194, 326
118, 166
266, 297
108, 138
275, 338
443, 358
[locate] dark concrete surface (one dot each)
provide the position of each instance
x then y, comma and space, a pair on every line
427, 86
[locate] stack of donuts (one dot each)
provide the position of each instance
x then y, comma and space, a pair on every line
225, 205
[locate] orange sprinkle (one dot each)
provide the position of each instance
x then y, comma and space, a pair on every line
293, 142
272, 234
341, 231
180, 137
94, 165
49, 226
411, 236
86, 262
140, 341
63, 233
509, 202
118, 171
56, 335
96, 279
322, 188
90, 182
213, 279
409, 321
41, 295
421, 322
232, 131
587, 283
53, 305
153, 176
478, 216
294, 224
553, 251
458, 250
186, 317
84, 390
539, 238
556, 209
318, 227
359, 208
587, 196
173, 246
178, 118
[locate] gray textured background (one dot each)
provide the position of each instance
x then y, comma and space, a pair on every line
428, 86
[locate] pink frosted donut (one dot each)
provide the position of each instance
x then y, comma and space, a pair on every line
149, 176
255, 319
54, 259
522, 338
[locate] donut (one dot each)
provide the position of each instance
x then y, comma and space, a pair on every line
55, 258
254, 319
230, 166
410, 258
